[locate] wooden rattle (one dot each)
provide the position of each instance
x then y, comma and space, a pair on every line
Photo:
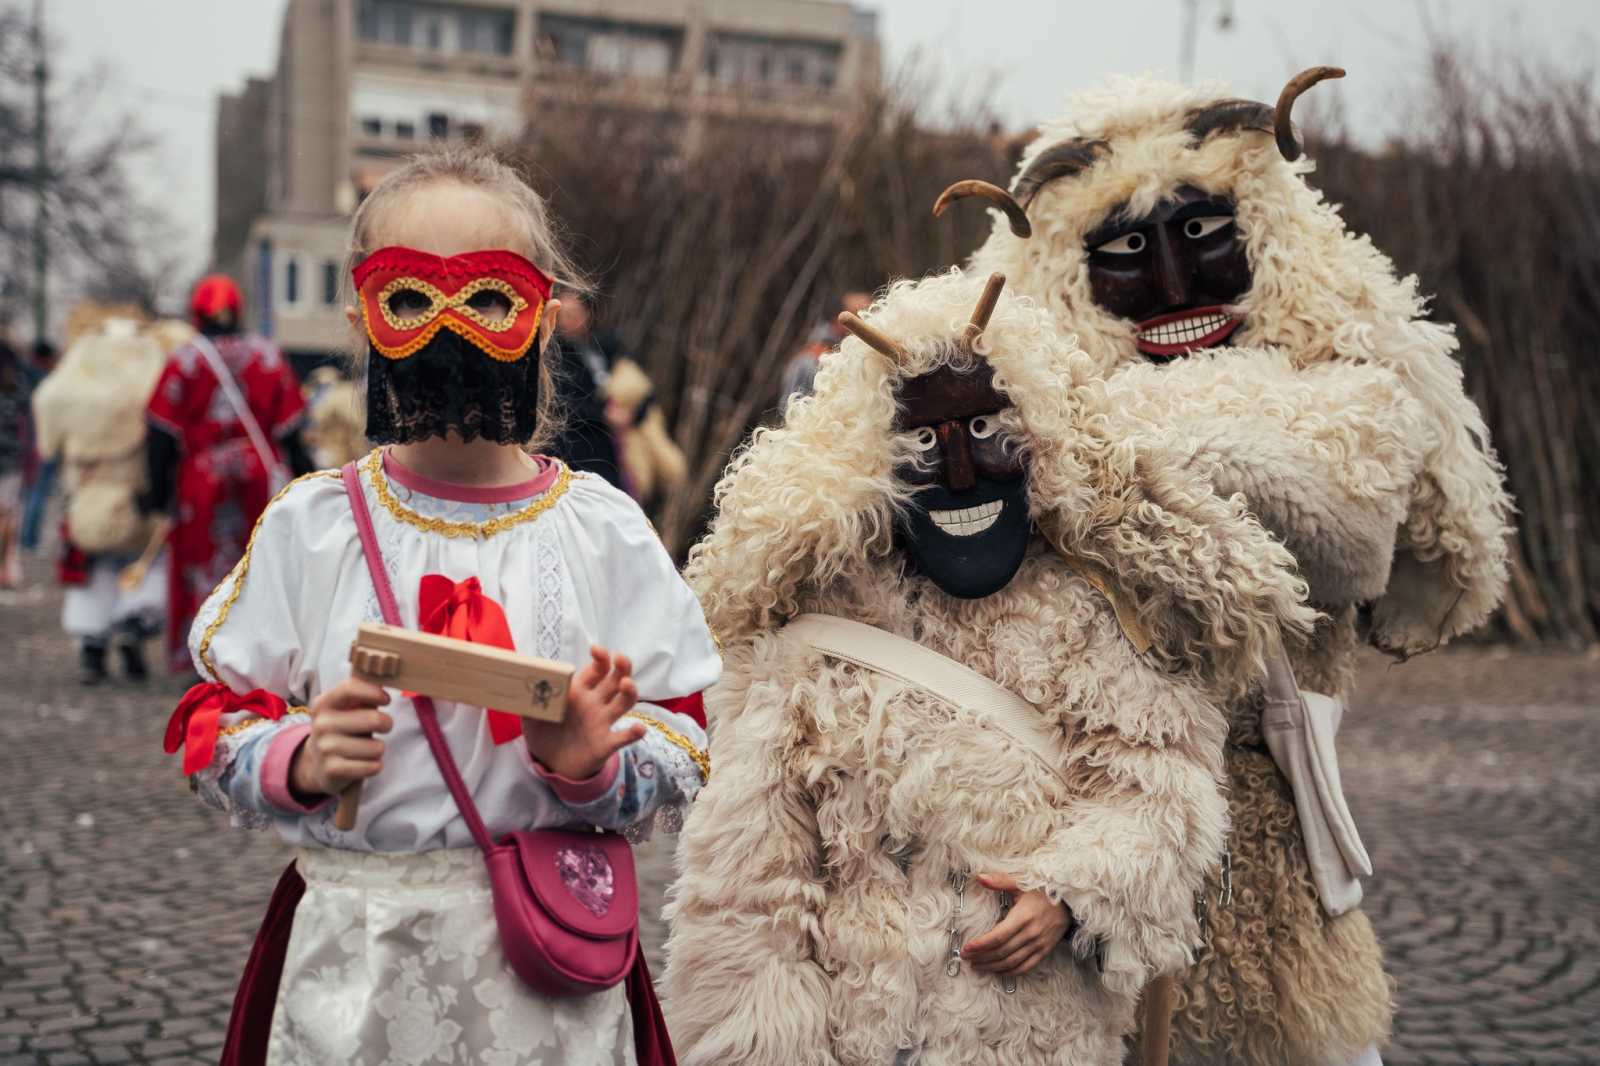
448, 669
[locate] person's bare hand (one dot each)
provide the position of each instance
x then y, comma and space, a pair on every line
1023, 937
341, 749
578, 746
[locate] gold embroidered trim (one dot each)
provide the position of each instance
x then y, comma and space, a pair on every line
439, 303
399, 511
701, 759
485, 345
238, 573
251, 723
240, 727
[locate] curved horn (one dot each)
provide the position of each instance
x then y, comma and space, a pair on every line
1287, 145
875, 340
994, 194
985, 308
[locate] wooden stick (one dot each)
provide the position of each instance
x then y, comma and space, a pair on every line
132, 575
1155, 1043
456, 670
874, 339
985, 309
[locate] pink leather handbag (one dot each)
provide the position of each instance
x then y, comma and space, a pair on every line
566, 901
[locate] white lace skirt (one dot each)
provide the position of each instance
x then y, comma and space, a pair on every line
394, 960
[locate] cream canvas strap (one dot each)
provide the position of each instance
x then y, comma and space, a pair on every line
1299, 728
915, 666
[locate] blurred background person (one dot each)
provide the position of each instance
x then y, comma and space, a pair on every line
225, 425
335, 423
89, 417
38, 475
612, 425
14, 454
801, 370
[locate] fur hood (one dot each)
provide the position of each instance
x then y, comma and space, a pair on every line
1320, 293
808, 508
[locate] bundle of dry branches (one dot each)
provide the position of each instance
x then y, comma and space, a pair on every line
715, 263
1494, 202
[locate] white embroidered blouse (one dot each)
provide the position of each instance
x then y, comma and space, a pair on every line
572, 561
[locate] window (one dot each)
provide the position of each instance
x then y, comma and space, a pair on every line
471, 131
624, 49
371, 127
487, 32
384, 21
405, 129
330, 283
733, 58
291, 280
438, 125
433, 32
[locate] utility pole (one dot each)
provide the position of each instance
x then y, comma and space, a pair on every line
41, 179
1190, 33
1186, 42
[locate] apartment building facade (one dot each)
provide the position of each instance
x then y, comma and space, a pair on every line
361, 83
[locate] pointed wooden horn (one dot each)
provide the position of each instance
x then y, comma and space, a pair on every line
985, 308
1287, 145
875, 340
994, 194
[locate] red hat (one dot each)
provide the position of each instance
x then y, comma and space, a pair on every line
214, 294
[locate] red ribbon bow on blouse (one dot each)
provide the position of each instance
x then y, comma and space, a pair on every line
193, 726
459, 609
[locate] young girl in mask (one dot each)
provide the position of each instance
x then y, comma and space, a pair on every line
384, 935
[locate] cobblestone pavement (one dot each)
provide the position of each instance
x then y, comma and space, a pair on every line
127, 909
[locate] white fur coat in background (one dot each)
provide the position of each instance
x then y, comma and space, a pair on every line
810, 922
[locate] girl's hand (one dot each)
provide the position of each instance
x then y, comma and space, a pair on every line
1024, 937
578, 747
341, 748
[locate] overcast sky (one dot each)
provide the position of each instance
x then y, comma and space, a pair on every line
167, 59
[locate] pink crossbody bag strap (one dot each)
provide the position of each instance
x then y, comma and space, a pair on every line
566, 902
390, 609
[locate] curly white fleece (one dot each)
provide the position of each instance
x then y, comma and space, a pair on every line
1320, 294
810, 922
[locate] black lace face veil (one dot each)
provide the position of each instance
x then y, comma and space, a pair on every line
449, 384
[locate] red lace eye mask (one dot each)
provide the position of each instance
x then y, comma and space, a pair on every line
407, 296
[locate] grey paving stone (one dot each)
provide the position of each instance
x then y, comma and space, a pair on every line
1474, 776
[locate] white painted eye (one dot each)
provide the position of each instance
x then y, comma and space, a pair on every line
1127, 244
1196, 228
924, 438
983, 427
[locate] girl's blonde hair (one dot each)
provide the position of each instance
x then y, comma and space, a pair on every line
536, 237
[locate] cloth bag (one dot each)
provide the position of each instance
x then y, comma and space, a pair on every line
1299, 728
566, 902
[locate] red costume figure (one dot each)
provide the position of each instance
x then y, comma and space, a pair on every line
225, 423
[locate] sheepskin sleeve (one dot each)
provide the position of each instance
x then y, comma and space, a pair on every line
742, 987
1147, 823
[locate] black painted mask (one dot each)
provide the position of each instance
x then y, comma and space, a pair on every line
1172, 272
967, 526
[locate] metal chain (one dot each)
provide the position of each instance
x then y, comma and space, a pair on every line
958, 881
952, 966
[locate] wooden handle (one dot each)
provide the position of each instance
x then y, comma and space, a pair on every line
132, 575
349, 807
1155, 1044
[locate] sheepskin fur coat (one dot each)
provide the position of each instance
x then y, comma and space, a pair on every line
1343, 421
811, 921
